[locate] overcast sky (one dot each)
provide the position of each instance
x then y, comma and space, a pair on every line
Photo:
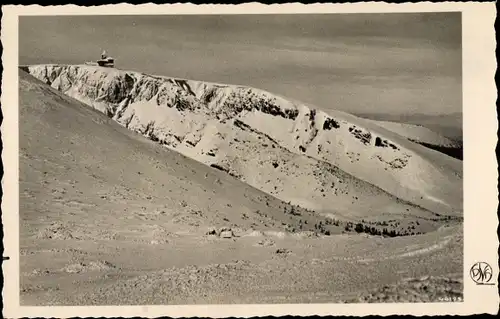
370, 63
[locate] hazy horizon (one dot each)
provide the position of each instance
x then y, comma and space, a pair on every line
359, 63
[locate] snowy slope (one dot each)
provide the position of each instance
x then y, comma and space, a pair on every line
418, 133
236, 127
109, 175
426, 137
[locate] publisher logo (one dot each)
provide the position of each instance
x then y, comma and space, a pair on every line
482, 273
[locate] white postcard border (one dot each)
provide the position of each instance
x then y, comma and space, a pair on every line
480, 165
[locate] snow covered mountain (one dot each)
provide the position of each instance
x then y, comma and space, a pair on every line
130, 221
334, 163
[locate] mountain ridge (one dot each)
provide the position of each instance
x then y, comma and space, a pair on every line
197, 118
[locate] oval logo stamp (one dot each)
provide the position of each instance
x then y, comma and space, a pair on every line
481, 273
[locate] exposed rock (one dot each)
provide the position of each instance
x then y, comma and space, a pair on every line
283, 251
212, 231
330, 123
226, 234
55, 231
266, 242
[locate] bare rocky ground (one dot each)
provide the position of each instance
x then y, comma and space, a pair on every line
423, 289
110, 218
198, 269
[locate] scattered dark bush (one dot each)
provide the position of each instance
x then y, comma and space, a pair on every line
359, 228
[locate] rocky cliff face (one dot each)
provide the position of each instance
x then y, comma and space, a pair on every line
331, 162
